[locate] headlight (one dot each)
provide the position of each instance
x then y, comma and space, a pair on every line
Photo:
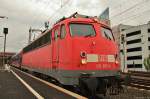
83, 61
116, 62
83, 54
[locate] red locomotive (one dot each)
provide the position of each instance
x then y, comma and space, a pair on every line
78, 51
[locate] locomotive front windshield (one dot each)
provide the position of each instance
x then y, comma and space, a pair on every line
85, 30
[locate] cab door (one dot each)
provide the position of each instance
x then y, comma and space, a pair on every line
55, 48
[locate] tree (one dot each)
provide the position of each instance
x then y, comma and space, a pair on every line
147, 63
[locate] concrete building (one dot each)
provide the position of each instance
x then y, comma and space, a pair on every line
134, 44
117, 31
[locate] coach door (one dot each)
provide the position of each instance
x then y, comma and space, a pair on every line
55, 48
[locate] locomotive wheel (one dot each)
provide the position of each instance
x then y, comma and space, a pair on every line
84, 91
115, 88
112, 90
108, 91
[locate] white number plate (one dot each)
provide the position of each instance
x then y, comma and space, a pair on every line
100, 58
92, 58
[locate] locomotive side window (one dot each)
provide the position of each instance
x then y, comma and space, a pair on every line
56, 34
63, 32
46, 38
78, 29
107, 33
39, 42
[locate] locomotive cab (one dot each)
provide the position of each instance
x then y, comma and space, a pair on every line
89, 54
93, 47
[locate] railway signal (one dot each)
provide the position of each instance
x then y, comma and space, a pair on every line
5, 31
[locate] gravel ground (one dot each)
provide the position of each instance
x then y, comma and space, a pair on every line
131, 93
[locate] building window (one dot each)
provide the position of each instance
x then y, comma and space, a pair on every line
148, 30
133, 33
148, 38
121, 50
134, 41
134, 49
149, 47
134, 65
134, 57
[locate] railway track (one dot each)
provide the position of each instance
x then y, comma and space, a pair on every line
140, 80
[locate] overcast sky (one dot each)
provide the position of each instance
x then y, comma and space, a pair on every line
25, 13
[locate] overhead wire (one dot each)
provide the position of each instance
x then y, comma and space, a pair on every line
121, 13
118, 5
40, 14
132, 16
118, 14
53, 14
57, 10
35, 19
62, 6
133, 11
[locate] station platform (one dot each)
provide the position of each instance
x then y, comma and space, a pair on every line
11, 87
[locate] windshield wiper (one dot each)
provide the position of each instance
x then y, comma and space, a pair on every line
89, 35
107, 36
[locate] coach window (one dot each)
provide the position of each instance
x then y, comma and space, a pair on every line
63, 32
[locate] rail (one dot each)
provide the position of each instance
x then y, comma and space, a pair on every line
140, 80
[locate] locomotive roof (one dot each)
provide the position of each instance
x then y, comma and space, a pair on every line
87, 20
68, 20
